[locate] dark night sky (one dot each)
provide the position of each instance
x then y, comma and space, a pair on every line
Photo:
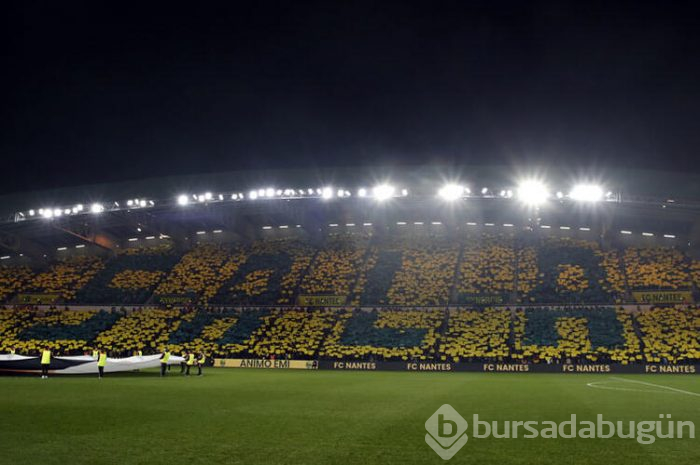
101, 91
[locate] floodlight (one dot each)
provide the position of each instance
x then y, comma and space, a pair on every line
532, 193
587, 193
327, 193
253, 195
269, 192
96, 208
383, 192
362, 192
183, 199
451, 192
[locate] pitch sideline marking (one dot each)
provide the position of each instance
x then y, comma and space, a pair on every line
657, 386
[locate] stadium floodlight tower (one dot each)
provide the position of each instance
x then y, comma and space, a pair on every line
383, 192
587, 193
451, 192
532, 193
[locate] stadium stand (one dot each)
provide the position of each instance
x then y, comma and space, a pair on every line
615, 282
63, 330
408, 269
527, 273
145, 329
426, 274
476, 335
384, 334
487, 268
130, 277
671, 334
293, 333
385, 261
579, 334
667, 335
570, 272
655, 268
13, 279
66, 277
335, 268
202, 271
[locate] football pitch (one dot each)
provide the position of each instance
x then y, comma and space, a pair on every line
250, 416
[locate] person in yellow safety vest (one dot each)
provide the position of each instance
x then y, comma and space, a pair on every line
12, 351
200, 363
164, 361
140, 353
45, 363
190, 362
101, 362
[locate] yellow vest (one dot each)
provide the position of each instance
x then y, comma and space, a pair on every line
12, 352
166, 357
95, 354
103, 360
140, 353
190, 360
46, 357
203, 360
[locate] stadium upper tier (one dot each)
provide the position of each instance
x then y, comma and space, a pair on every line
582, 335
415, 267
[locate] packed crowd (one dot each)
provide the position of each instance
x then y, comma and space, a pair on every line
540, 335
670, 335
426, 274
488, 266
131, 276
656, 268
202, 271
335, 267
66, 277
406, 269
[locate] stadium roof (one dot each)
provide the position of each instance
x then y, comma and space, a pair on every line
663, 205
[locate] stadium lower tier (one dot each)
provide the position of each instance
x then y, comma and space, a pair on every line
667, 335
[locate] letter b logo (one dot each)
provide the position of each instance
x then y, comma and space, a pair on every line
446, 431
442, 431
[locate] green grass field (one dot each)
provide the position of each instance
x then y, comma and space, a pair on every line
251, 416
